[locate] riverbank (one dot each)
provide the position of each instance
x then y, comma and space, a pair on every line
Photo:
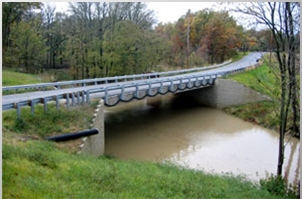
33, 168
263, 80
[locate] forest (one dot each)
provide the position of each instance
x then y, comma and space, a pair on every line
99, 39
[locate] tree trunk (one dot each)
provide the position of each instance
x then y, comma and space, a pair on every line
282, 126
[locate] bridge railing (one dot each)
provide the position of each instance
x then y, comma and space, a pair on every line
172, 85
84, 96
105, 80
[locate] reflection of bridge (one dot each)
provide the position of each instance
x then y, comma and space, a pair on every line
122, 89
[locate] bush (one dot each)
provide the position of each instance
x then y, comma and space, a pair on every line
277, 186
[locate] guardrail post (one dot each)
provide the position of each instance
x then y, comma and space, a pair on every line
171, 86
18, 110
149, 90
57, 102
72, 99
180, 83
87, 96
67, 100
122, 92
83, 96
32, 106
137, 90
196, 82
106, 95
189, 83
78, 97
45, 104
161, 89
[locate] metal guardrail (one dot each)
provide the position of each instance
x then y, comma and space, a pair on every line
173, 84
161, 86
106, 80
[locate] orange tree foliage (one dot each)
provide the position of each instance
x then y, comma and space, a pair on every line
214, 37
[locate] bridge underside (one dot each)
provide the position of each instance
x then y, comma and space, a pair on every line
224, 93
149, 95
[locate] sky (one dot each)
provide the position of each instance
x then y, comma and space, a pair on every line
164, 11
172, 11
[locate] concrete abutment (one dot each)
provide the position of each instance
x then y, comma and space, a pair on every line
224, 93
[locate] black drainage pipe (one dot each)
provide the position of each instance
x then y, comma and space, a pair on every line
72, 136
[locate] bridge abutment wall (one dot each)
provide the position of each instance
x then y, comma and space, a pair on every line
225, 93
95, 144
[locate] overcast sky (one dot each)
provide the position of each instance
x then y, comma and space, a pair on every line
165, 11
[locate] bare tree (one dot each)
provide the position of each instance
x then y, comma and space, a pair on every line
283, 20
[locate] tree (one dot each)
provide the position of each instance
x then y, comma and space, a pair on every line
27, 47
12, 12
283, 20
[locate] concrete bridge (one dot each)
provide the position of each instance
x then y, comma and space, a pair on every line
198, 84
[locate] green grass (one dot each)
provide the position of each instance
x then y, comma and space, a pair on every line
10, 78
262, 80
33, 168
48, 123
38, 169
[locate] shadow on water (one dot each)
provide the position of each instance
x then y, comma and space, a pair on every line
175, 128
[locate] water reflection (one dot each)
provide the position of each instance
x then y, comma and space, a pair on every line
197, 137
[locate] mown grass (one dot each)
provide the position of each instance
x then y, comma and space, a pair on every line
33, 168
10, 78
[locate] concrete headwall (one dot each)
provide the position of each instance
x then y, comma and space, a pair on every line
225, 93
95, 144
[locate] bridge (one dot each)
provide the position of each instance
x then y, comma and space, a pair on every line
123, 88
113, 90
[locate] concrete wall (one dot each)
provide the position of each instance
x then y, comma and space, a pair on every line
225, 93
95, 145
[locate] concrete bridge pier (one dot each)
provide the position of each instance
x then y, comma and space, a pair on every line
224, 93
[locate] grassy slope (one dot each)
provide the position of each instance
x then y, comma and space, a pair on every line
38, 169
264, 81
262, 113
10, 78
32, 168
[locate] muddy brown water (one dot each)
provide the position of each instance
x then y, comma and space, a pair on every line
196, 137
